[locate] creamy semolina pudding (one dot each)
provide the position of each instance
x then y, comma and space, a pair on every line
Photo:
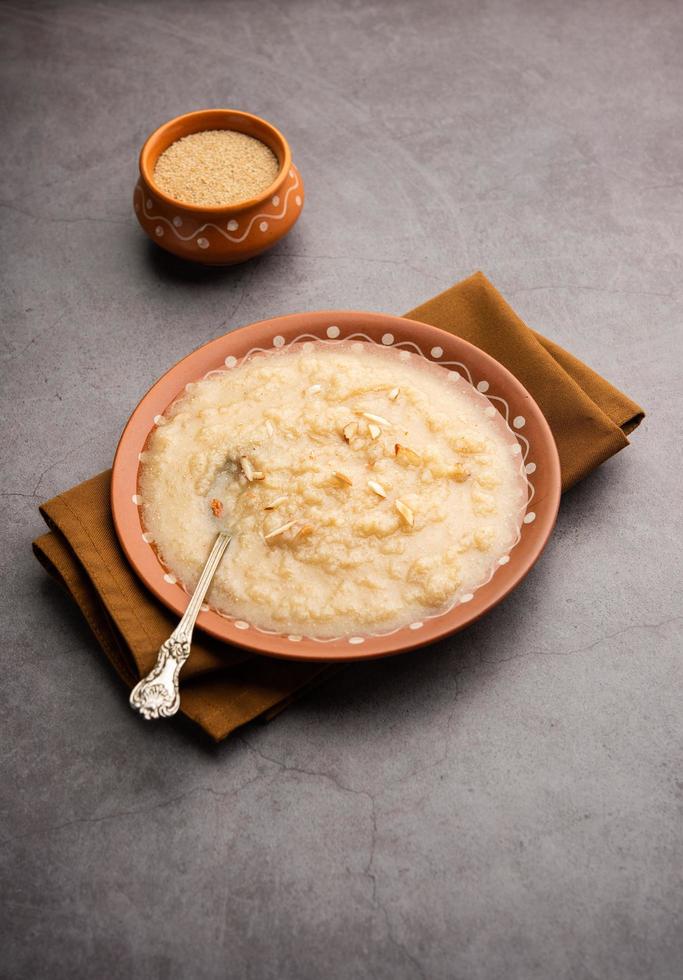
366, 488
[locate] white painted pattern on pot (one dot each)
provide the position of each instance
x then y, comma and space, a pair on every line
232, 225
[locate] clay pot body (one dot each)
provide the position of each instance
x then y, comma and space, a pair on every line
218, 235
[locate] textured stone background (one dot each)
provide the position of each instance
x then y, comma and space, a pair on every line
506, 804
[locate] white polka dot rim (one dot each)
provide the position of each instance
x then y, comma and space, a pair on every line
332, 340
331, 335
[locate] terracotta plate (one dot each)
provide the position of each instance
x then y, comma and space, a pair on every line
506, 394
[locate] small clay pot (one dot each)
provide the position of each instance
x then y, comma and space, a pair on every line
218, 235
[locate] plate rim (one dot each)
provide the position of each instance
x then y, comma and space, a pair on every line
275, 645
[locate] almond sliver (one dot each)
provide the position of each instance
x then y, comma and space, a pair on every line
279, 530
275, 503
350, 430
408, 454
304, 531
375, 418
405, 512
248, 469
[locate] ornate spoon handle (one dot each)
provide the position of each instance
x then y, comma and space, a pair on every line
157, 694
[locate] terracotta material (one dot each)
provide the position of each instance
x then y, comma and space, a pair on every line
223, 235
537, 448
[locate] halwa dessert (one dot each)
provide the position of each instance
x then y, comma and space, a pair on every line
365, 487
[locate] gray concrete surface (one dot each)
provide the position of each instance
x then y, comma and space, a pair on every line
506, 804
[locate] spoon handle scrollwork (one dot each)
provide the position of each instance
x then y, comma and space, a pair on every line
157, 695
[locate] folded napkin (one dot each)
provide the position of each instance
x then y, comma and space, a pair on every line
590, 418
224, 687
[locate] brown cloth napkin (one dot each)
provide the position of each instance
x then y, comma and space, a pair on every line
224, 687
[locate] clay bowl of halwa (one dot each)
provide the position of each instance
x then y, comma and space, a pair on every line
386, 484
217, 186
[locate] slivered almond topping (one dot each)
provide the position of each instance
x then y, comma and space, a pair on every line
278, 531
405, 512
374, 430
275, 503
377, 488
394, 393
375, 418
343, 478
350, 430
314, 389
270, 428
304, 531
407, 453
248, 469
217, 507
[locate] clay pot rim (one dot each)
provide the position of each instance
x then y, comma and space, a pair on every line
150, 152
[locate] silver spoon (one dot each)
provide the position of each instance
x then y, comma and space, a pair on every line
157, 694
